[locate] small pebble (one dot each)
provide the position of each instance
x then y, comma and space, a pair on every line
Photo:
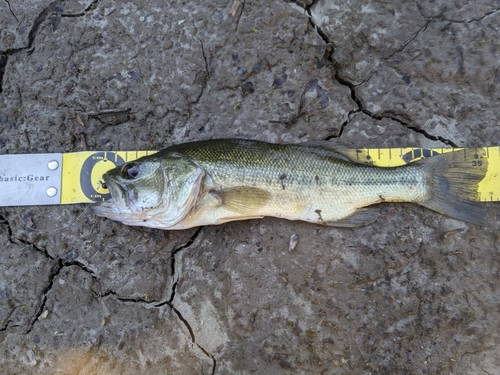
293, 242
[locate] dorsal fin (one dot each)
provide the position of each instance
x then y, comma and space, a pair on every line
347, 151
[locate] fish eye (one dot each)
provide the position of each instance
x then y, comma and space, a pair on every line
130, 171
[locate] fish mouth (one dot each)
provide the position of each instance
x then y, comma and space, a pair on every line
118, 202
118, 194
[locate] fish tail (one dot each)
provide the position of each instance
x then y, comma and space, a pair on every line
453, 180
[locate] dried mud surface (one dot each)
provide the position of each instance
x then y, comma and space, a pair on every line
414, 293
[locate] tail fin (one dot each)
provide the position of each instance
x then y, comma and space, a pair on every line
453, 179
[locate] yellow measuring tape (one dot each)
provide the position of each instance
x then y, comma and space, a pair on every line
82, 171
81, 180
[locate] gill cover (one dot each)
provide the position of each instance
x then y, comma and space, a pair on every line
152, 192
183, 184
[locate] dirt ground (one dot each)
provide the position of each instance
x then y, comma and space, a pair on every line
413, 293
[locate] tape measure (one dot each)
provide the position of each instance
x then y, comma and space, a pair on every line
43, 179
82, 173
488, 189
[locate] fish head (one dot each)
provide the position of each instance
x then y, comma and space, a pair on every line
152, 191
136, 186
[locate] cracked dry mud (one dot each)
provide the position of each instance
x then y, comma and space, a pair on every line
414, 293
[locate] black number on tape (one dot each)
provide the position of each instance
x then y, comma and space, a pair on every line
418, 153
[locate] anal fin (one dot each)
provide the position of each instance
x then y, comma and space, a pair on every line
361, 217
236, 218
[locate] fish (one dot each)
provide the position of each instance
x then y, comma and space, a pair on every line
217, 181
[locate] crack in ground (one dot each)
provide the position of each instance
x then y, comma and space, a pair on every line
38, 21
480, 350
83, 267
402, 119
158, 304
401, 49
387, 114
3, 63
169, 301
484, 16
7, 321
406, 121
440, 18
34, 247
55, 270
16, 240
350, 116
4, 221
11, 11
391, 116
320, 32
207, 63
92, 6
124, 299
172, 262
4, 55
239, 14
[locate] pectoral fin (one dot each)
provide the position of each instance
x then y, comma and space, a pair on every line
242, 199
361, 217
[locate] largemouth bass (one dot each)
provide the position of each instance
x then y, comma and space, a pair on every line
216, 181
